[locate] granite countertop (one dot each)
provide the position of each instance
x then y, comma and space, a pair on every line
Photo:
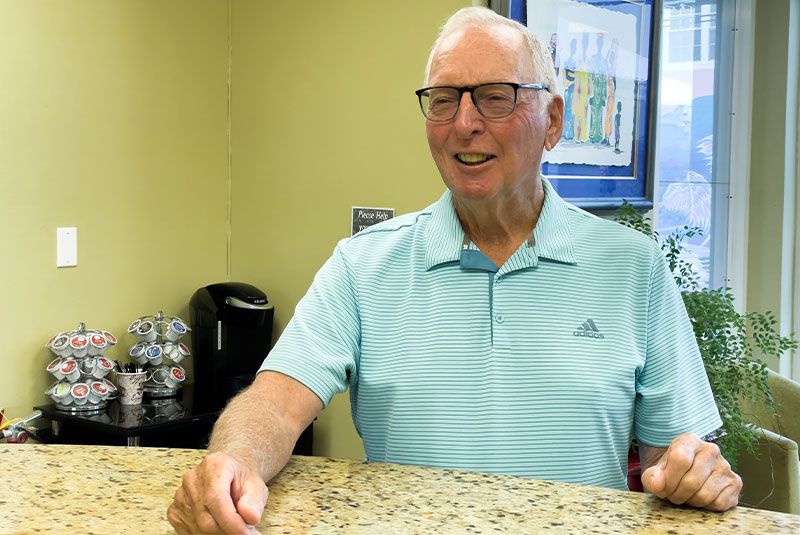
86, 490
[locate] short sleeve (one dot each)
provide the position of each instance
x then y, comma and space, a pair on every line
320, 345
673, 395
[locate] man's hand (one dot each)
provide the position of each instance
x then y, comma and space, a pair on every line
693, 472
219, 496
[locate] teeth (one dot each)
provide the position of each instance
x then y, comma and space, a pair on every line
473, 158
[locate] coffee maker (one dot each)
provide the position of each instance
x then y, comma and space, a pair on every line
231, 336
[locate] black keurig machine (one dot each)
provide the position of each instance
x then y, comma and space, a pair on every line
231, 336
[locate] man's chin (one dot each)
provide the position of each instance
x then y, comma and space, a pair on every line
473, 192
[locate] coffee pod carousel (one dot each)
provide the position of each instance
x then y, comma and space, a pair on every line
159, 351
80, 370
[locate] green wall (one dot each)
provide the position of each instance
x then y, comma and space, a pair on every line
767, 158
113, 118
324, 117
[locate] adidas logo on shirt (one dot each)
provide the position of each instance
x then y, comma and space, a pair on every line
589, 330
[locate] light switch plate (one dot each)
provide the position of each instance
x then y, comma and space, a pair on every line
66, 246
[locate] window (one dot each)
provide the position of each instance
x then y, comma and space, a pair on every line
693, 137
694, 126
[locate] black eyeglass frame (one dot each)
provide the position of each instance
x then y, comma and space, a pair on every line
471, 90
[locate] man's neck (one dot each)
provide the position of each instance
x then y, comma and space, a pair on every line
499, 226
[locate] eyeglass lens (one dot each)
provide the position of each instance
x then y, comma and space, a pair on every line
492, 100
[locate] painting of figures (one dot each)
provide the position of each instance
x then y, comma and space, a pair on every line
595, 55
601, 53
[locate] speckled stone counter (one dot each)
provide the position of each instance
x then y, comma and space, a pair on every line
115, 490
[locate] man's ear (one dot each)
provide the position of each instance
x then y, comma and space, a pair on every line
555, 122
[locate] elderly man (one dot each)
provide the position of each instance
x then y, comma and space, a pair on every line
500, 329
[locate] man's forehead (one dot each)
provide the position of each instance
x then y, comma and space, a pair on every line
495, 51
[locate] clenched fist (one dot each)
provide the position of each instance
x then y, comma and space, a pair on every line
695, 473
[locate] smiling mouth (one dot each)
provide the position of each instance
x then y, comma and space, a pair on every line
473, 159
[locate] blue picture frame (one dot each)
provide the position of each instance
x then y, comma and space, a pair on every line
604, 183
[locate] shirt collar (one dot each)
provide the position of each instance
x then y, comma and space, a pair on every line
552, 238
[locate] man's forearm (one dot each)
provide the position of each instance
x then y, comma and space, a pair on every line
260, 426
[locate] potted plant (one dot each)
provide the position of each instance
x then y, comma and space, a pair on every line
729, 342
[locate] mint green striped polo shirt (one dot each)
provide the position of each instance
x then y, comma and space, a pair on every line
542, 368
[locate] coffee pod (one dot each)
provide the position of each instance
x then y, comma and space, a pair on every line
137, 353
79, 345
112, 388
154, 355
80, 393
55, 368
146, 331
61, 394
112, 340
103, 367
170, 350
98, 391
70, 370
176, 376
133, 327
61, 346
97, 344
180, 353
49, 343
175, 330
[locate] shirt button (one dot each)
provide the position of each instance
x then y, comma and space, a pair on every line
499, 318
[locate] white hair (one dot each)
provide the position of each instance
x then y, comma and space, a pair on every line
482, 17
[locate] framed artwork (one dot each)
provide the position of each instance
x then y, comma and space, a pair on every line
605, 56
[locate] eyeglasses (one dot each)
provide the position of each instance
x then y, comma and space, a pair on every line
493, 101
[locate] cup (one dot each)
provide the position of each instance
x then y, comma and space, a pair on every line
146, 331
51, 389
61, 394
175, 330
61, 346
154, 355
102, 368
70, 370
98, 391
79, 345
49, 343
97, 344
112, 340
112, 388
131, 387
176, 376
137, 353
174, 351
80, 393
55, 368
134, 326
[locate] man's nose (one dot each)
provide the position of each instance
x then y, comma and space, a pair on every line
468, 121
